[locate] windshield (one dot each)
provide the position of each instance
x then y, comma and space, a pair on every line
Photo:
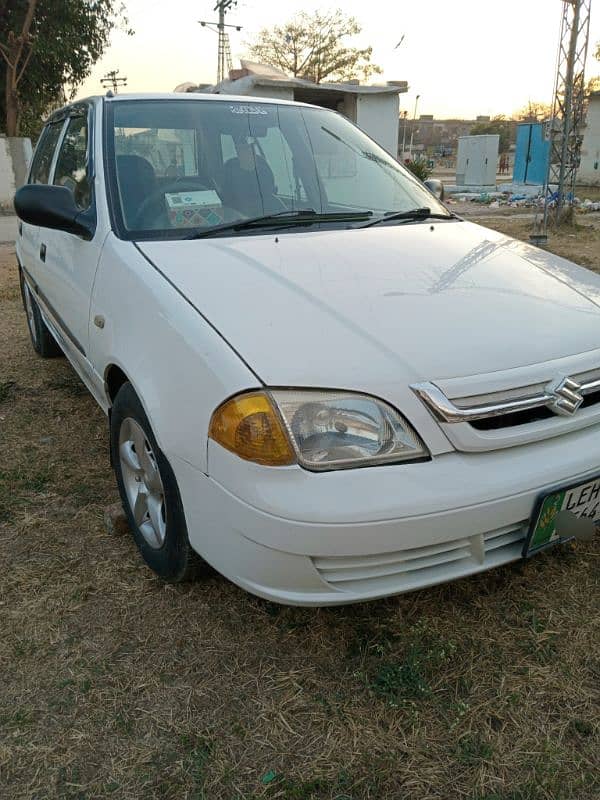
180, 167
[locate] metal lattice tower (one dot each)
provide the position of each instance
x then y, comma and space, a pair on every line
224, 63
567, 121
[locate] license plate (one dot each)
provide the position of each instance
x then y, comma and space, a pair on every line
582, 500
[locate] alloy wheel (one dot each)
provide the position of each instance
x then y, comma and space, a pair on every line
143, 483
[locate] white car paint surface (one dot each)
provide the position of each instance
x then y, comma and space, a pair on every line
376, 311
389, 297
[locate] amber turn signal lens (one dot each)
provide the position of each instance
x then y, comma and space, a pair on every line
249, 426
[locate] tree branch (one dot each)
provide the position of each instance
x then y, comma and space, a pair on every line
24, 67
23, 38
5, 54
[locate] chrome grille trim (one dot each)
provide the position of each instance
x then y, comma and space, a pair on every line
446, 411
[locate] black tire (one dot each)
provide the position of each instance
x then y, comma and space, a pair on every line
44, 344
174, 560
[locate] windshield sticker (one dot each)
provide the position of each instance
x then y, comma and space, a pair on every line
207, 197
248, 110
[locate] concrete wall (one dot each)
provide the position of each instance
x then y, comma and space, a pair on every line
276, 92
245, 86
379, 116
7, 176
589, 169
15, 157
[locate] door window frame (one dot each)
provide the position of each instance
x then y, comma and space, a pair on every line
40, 145
86, 109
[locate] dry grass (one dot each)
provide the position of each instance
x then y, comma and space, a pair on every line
579, 242
114, 685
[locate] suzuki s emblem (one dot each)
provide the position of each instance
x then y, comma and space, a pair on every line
567, 396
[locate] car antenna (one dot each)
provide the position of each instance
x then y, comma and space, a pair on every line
110, 93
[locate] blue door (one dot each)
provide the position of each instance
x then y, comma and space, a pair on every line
539, 153
531, 154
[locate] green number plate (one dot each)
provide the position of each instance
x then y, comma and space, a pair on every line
582, 500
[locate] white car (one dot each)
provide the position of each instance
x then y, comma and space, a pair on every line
317, 378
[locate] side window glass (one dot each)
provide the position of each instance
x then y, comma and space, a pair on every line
40, 169
71, 166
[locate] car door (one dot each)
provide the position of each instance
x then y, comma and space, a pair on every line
67, 262
41, 165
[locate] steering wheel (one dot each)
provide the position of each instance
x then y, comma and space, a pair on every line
186, 183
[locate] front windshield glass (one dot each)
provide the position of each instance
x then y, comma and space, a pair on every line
179, 167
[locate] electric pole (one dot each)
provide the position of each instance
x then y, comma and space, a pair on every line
113, 79
224, 63
565, 127
412, 127
404, 116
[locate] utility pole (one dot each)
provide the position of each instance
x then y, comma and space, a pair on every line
565, 127
113, 79
404, 115
224, 63
412, 127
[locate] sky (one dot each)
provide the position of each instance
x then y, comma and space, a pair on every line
464, 58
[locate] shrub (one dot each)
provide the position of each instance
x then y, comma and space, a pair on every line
419, 168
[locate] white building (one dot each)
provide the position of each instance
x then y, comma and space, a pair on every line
375, 109
589, 168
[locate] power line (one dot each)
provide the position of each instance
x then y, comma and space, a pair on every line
224, 62
113, 79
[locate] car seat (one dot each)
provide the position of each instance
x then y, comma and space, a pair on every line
137, 181
252, 192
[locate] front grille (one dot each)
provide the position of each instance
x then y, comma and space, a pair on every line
527, 417
516, 414
422, 566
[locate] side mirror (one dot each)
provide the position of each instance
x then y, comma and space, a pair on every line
53, 207
435, 187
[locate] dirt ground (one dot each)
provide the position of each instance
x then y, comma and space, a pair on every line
114, 685
579, 242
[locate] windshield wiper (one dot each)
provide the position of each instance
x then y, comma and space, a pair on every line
414, 213
282, 219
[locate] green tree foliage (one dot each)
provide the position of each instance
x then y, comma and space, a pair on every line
46, 45
498, 125
314, 46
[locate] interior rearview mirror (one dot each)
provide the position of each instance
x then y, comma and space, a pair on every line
53, 207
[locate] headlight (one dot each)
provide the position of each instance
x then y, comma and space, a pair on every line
319, 430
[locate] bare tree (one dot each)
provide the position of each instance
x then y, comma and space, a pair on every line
534, 112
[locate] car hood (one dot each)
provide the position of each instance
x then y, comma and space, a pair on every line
363, 309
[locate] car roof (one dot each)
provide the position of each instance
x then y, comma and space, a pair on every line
179, 96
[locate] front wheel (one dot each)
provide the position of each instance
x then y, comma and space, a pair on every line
149, 491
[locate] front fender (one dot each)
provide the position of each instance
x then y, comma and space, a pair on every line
179, 365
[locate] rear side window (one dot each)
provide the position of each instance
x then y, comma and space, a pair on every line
72, 164
40, 169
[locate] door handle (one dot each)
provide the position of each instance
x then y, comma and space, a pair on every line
42, 252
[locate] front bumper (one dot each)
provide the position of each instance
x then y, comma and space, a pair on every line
302, 538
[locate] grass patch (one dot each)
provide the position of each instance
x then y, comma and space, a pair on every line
5, 390
401, 667
473, 748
